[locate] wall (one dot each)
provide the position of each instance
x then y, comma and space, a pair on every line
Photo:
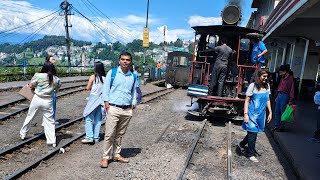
297, 58
312, 63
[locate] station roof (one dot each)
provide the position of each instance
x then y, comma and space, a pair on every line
301, 18
224, 29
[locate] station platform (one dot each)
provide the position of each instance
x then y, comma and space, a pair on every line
297, 142
18, 84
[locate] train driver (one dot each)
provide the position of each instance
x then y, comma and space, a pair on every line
220, 68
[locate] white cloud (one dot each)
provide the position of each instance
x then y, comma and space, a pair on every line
204, 21
171, 35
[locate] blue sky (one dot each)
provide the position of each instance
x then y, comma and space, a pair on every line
128, 17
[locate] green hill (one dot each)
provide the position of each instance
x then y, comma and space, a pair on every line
40, 44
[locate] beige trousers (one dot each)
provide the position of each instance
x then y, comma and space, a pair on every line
116, 126
44, 105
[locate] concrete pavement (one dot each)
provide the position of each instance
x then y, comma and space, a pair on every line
297, 143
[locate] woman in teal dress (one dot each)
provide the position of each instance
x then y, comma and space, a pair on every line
256, 102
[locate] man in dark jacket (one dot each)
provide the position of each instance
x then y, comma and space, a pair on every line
220, 68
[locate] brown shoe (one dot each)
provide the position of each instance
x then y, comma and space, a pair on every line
121, 159
104, 162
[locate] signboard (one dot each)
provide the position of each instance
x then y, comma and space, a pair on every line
145, 42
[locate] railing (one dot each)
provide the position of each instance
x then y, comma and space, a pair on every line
20, 72
154, 74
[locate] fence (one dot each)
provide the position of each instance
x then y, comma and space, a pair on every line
155, 74
21, 72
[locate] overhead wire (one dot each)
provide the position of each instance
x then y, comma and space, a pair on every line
96, 25
97, 17
38, 30
9, 34
29, 23
121, 28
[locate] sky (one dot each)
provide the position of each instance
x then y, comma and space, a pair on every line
120, 20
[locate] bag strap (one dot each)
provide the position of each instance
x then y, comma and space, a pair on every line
134, 81
113, 75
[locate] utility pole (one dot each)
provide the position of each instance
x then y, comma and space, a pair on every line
164, 35
145, 42
66, 7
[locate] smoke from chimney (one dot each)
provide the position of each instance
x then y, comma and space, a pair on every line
235, 2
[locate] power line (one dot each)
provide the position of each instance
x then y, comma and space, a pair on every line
38, 30
108, 18
13, 32
95, 24
106, 27
28, 23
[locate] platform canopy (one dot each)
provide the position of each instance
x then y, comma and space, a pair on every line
295, 18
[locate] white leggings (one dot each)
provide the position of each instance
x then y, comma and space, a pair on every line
44, 104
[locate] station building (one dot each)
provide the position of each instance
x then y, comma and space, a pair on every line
292, 37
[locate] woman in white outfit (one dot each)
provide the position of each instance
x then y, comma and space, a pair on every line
44, 83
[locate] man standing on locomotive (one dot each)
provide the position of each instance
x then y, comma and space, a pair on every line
220, 68
258, 51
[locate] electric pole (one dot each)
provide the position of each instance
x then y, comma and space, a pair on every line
66, 7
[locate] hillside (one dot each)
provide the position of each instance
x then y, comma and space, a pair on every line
40, 44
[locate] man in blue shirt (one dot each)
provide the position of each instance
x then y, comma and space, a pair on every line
119, 98
258, 51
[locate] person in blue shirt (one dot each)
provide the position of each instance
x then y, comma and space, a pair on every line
119, 96
259, 49
139, 93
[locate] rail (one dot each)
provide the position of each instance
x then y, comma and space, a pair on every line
36, 162
229, 155
191, 150
24, 107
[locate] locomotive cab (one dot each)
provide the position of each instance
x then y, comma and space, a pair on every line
240, 70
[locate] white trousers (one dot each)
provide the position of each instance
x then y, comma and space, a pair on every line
45, 105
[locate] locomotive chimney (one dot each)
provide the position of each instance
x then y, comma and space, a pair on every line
231, 15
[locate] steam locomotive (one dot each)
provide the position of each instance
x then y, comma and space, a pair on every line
230, 104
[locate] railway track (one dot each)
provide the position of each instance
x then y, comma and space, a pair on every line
19, 104
192, 148
15, 161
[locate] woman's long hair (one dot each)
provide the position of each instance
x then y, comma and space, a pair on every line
50, 70
259, 84
48, 57
99, 71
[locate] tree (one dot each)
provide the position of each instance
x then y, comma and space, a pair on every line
117, 46
178, 43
